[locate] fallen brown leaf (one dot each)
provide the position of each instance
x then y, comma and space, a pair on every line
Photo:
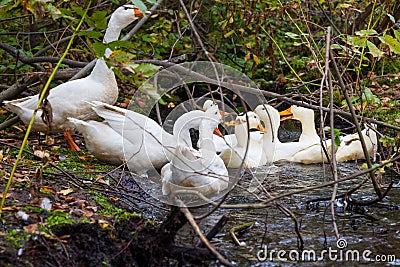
69, 199
8, 195
41, 154
11, 208
89, 167
65, 191
88, 214
32, 228
86, 157
48, 190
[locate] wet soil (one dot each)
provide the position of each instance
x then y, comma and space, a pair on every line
75, 229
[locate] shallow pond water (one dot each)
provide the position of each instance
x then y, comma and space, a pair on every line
372, 230
367, 233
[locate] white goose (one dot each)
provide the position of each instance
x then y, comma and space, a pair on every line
145, 144
350, 145
294, 151
254, 152
201, 170
128, 136
68, 99
306, 117
102, 141
228, 141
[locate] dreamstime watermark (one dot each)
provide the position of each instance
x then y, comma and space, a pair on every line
340, 253
146, 146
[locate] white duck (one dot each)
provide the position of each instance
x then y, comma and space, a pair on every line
145, 144
350, 145
68, 99
192, 119
293, 151
306, 118
228, 141
249, 147
102, 141
131, 137
201, 170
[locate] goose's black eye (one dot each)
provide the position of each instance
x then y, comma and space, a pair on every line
126, 8
216, 113
255, 117
263, 109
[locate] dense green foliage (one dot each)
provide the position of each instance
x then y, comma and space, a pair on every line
280, 45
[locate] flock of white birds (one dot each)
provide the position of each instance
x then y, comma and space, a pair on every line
125, 136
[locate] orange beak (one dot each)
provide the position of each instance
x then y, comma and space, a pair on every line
261, 128
286, 114
234, 122
223, 113
217, 132
137, 12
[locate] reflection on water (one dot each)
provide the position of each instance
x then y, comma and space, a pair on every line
375, 228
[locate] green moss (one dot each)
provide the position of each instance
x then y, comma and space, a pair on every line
385, 115
108, 209
78, 162
58, 218
55, 217
387, 65
16, 238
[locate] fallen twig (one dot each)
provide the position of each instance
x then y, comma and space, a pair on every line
196, 228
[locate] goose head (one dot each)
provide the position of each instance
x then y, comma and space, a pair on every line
209, 104
268, 114
252, 118
212, 115
125, 15
209, 124
120, 18
271, 118
297, 113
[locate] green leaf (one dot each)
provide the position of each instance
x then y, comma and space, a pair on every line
338, 46
375, 52
90, 34
121, 56
161, 102
366, 32
78, 10
397, 34
142, 7
336, 133
55, 13
393, 44
292, 35
146, 69
99, 49
370, 97
5, 2
99, 19
360, 41
391, 18
118, 44
151, 1
226, 35
65, 11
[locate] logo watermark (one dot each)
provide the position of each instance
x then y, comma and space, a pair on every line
147, 145
340, 253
